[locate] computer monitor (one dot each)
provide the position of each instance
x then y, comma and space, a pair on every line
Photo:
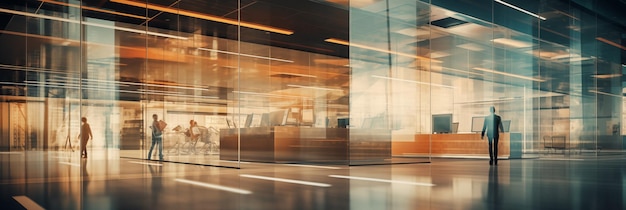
477, 123
442, 123
231, 123
367, 123
378, 122
343, 122
307, 116
278, 117
455, 127
256, 120
506, 126
249, 120
265, 120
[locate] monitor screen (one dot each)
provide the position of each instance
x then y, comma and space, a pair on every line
477, 123
442, 123
256, 120
265, 120
506, 125
455, 127
367, 123
343, 123
307, 116
278, 117
230, 123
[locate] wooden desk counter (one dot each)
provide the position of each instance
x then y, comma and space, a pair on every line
295, 144
450, 145
282, 144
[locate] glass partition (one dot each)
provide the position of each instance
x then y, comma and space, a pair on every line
391, 78
377, 81
41, 93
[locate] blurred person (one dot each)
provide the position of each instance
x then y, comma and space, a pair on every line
157, 136
84, 136
493, 127
194, 134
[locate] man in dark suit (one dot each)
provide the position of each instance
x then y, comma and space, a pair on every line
493, 126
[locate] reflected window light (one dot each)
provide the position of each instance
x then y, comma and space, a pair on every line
218, 187
167, 86
109, 89
296, 75
471, 46
64, 84
157, 91
461, 71
270, 95
188, 87
105, 63
91, 24
605, 93
424, 184
315, 88
610, 43
412, 81
606, 76
12, 83
570, 57
562, 56
508, 74
439, 54
246, 55
106, 84
512, 42
363, 46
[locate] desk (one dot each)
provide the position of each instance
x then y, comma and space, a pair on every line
468, 144
284, 144
281, 144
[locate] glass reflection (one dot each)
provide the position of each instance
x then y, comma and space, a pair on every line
375, 84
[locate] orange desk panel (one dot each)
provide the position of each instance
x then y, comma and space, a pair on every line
450, 144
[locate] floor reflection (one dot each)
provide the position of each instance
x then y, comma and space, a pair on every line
493, 196
156, 185
60, 180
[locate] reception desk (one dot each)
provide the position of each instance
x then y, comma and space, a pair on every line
468, 144
281, 144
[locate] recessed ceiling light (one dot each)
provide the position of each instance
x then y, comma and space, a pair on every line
471, 46
512, 42
606, 76
508, 74
520, 9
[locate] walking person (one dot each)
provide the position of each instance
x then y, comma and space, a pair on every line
157, 136
194, 134
493, 127
84, 136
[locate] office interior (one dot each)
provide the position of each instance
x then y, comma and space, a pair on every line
352, 82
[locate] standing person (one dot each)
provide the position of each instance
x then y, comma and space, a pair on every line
493, 126
194, 135
85, 135
157, 137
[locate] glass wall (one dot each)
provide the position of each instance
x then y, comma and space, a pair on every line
210, 70
390, 80
543, 66
331, 82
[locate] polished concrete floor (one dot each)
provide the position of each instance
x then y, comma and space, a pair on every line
58, 180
